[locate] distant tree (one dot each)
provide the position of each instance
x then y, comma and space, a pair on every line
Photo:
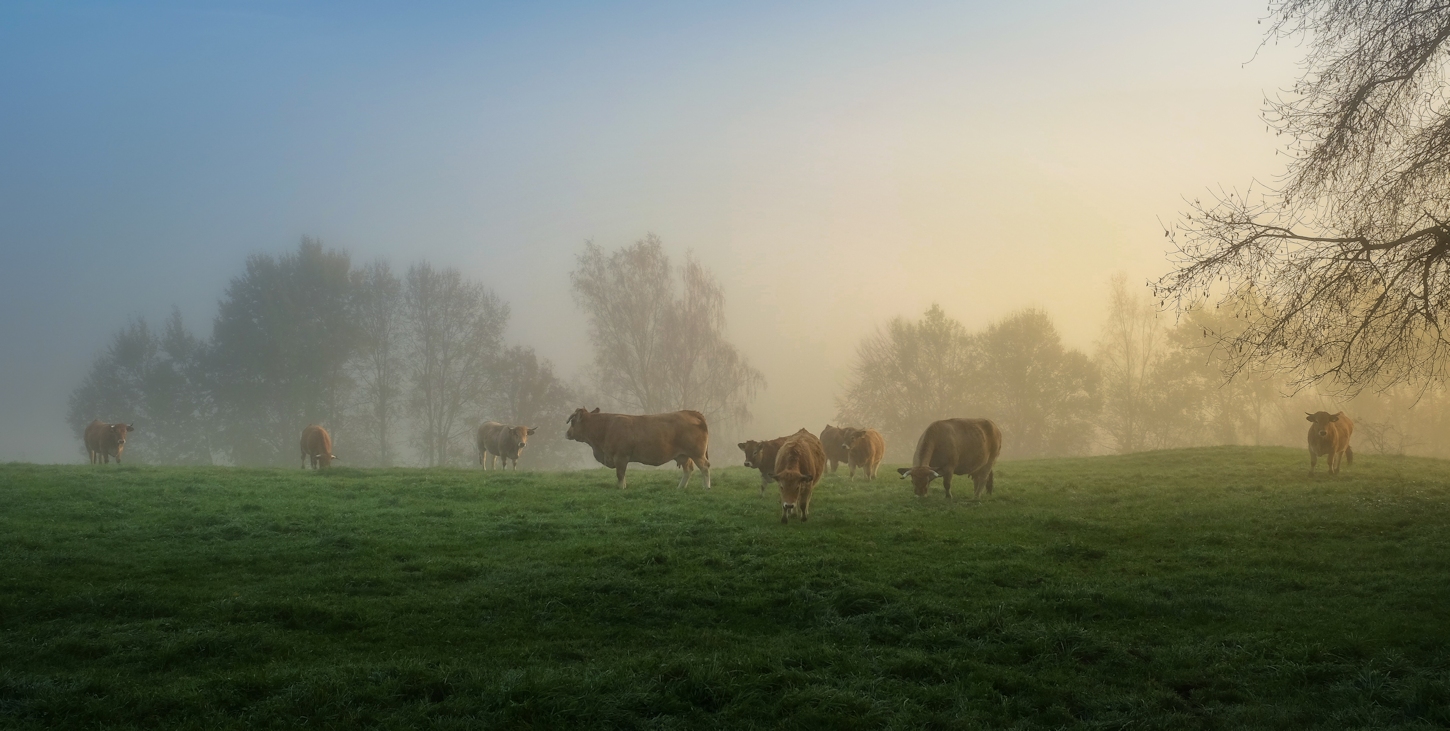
1130, 352
1345, 268
455, 329
157, 383
1043, 395
379, 363
659, 346
526, 392
909, 374
280, 347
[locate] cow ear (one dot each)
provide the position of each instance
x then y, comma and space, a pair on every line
902, 471
533, 429
1308, 416
934, 474
1334, 418
595, 411
741, 445
805, 477
130, 427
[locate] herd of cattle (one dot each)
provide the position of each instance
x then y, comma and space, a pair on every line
796, 463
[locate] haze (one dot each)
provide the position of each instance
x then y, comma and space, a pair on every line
834, 164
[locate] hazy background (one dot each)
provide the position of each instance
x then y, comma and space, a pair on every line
835, 164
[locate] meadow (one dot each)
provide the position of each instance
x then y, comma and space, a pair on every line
1206, 588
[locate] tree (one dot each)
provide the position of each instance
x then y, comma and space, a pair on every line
1042, 394
280, 347
526, 392
455, 332
378, 365
1346, 265
910, 374
659, 347
1129, 353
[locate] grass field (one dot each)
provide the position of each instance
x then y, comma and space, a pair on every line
1211, 588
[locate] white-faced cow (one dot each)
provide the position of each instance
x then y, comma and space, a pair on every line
652, 439
1329, 437
317, 447
104, 441
799, 465
500, 441
955, 447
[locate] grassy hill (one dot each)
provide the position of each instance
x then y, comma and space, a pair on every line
1207, 588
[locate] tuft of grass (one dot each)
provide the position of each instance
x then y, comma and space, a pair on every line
1207, 588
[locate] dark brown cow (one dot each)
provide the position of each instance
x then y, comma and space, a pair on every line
799, 465
761, 456
831, 442
501, 441
104, 441
317, 447
652, 439
955, 447
864, 449
1329, 437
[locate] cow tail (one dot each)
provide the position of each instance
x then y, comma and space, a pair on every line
1349, 455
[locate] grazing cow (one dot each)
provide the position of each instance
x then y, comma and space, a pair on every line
104, 441
652, 439
864, 449
831, 441
1329, 437
317, 446
503, 442
761, 456
798, 467
955, 447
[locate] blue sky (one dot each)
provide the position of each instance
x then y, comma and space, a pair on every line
989, 156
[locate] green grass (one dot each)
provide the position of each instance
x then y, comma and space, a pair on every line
1211, 588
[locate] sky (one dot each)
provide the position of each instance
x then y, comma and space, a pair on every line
835, 164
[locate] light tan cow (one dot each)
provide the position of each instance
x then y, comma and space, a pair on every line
503, 442
652, 439
864, 449
761, 456
104, 441
831, 442
955, 447
317, 447
1329, 437
798, 467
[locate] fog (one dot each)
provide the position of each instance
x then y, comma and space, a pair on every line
833, 164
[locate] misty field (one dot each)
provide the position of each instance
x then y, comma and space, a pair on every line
1208, 588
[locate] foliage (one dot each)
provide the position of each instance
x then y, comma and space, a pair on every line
659, 346
526, 392
378, 365
1203, 589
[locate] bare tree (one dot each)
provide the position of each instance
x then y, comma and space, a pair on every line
658, 346
526, 392
378, 364
1129, 352
455, 329
1344, 269
1042, 394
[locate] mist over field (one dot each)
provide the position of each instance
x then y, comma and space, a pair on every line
832, 166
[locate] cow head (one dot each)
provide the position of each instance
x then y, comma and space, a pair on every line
325, 460
792, 482
849, 437
921, 478
751, 449
118, 436
518, 437
576, 423
1321, 421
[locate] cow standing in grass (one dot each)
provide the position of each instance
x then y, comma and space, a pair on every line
761, 456
955, 447
831, 442
501, 441
864, 449
799, 465
1329, 437
652, 439
104, 441
316, 447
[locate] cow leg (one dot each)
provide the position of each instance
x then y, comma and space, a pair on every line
619, 473
852, 474
687, 468
806, 503
704, 463
946, 483
1313, 460
1334, 458
763, 483
990, 475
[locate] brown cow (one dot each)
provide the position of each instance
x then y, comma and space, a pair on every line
104, 441
652, 439
955, 447
864, 449
1329, 437
317, 446
503, 442
831, 442
761, 456
798, 467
